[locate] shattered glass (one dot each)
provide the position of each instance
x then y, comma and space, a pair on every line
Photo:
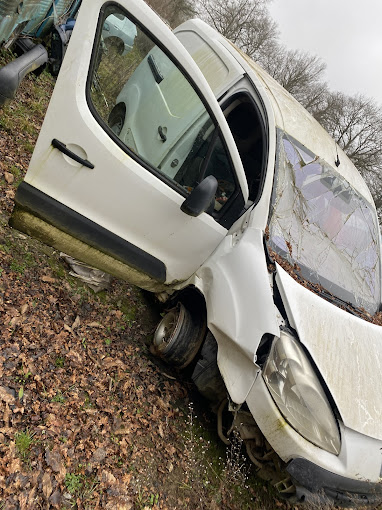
324, 228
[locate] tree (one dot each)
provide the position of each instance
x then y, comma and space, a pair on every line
355, 122
246, 23
173, 12
299, 72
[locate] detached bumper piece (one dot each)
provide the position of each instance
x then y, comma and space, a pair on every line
315, 483
12, 74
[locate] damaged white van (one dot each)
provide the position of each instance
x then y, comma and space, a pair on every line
182, 167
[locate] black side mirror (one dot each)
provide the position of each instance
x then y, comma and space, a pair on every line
200, 198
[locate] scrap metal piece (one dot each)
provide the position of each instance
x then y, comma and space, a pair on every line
97, 280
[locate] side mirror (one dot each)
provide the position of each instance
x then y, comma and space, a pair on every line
200, 198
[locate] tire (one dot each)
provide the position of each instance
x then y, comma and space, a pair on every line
116, 118
115, 45
179, 336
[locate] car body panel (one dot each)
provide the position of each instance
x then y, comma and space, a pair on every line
235, 289
181, 242
340, 345
360, 457
215, 62
292, 118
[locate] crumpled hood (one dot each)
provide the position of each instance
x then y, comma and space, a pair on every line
346, 350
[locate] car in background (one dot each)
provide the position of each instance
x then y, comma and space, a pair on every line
117, 31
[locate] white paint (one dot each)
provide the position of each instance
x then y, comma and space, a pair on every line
340, 345
119, 191
360, 456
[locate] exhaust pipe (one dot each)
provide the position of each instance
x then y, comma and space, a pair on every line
12, 74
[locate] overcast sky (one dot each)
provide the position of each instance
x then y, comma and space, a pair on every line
346, 34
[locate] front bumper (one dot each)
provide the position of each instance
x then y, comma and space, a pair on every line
313, 482
352, 477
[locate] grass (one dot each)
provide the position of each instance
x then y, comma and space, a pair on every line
74, 483
59, 398
59, 362
80, 486
23, 442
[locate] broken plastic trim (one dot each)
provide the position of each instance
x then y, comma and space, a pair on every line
13, 73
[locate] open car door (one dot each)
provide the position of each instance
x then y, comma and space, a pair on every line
135, 170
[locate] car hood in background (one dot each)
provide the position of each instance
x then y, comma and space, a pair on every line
346, 350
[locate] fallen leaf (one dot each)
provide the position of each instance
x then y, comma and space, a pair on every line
7, 395
15, 321
54, 460
46, 485
98, 456
95, 325
48, 279
55, 499
108, 478
10, 193
76, 323
9, 177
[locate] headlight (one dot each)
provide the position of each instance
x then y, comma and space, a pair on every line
298, 393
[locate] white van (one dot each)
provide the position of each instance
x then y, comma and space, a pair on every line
181, 166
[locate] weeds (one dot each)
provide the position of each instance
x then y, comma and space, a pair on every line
59, 397
80, 486
23, 442
211, 479
74, 483
59, 362
24, 375
146, 501
17, 267
236, 468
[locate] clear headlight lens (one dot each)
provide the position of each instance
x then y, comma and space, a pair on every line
298, 394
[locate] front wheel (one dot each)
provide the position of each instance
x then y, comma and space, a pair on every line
116, 118
179, 336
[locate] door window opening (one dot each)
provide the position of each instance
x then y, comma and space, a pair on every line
248, 132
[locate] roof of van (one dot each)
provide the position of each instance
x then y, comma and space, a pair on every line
288, 113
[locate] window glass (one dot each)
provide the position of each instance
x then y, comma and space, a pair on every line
153, 109
324, 228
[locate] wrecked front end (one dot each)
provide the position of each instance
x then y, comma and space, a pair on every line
298, 341
318, 401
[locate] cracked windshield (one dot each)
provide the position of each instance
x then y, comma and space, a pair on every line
323, 228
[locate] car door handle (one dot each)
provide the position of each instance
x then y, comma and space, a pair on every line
62, 147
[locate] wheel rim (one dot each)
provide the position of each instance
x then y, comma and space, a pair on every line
168, 328
117, 126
